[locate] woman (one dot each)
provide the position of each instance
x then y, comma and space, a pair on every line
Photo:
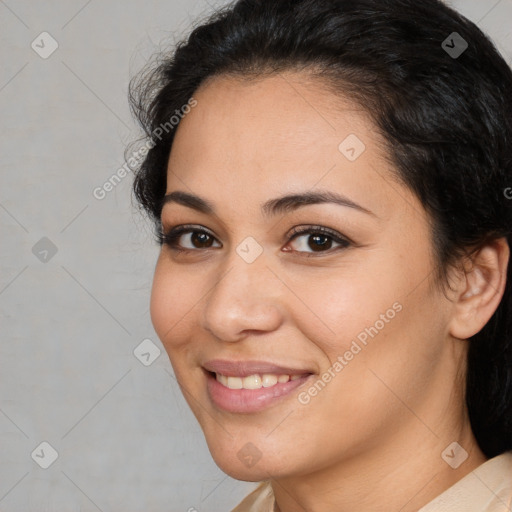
330, 183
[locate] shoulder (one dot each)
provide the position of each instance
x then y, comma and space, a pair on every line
260, 500
488, 488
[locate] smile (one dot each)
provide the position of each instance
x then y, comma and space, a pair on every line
256, 381
243, 400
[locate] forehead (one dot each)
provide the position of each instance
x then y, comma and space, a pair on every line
283, 113
279, 134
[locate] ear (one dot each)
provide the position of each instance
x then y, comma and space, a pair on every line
479, 289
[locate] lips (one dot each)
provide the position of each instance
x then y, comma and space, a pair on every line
251, 386
231, 368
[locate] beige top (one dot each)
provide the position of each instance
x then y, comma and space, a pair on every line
488, 488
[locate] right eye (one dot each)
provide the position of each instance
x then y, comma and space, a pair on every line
193, 237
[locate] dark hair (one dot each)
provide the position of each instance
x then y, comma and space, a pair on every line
445, 116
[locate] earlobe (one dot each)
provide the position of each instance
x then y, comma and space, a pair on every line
480, 289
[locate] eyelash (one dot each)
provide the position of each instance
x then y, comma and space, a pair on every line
171, 237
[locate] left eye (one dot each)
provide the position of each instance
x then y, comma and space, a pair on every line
317, 240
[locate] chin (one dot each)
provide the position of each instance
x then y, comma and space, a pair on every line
246, 475
247, 464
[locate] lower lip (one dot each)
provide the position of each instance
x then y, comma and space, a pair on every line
249, 400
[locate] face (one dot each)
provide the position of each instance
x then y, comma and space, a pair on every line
293, 326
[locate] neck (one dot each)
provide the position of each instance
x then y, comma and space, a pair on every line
404, 474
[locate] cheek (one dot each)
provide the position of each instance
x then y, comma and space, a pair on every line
385, 333
337, 306
381, 318
162, 306
173, 298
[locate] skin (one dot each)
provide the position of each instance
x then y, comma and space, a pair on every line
378, 429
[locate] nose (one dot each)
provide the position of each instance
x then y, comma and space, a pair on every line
245, 299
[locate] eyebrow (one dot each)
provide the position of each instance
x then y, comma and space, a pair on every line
272, 207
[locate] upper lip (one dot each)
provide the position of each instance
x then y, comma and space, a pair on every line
245, 368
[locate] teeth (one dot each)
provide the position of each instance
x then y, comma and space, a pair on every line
255, 381
252, 382
268, 380
235, 383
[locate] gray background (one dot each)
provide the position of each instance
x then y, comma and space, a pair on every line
70, 321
